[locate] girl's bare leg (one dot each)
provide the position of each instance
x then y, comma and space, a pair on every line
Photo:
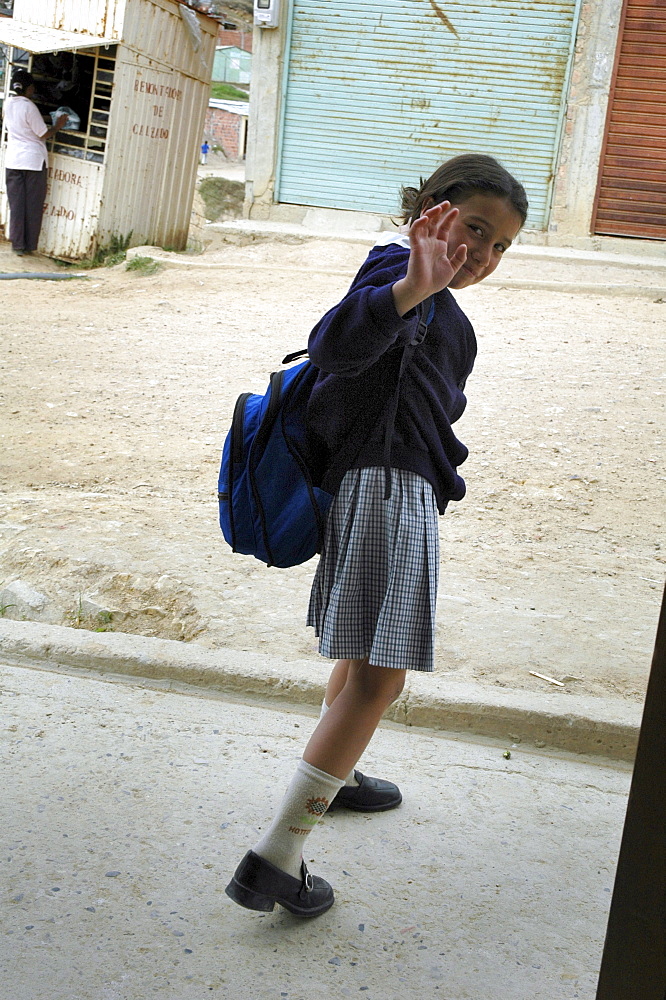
346, 729
336, 681
273, 870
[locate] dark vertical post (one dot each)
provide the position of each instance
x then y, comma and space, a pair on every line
633, 966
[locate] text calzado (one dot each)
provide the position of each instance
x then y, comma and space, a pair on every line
150, 131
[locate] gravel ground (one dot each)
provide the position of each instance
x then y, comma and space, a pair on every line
118, 390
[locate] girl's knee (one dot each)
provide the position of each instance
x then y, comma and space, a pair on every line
395, 681
374, 683
400, 683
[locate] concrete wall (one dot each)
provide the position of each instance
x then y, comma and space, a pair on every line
576, 180
264, 118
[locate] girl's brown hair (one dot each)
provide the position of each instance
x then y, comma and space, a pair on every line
460, 177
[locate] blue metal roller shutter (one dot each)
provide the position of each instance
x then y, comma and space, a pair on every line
378, 94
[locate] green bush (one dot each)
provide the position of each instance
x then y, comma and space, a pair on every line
113, 253
143, 265
227, 92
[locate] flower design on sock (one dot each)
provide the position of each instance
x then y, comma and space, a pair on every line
317, 807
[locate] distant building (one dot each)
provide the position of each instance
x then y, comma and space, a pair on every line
232, 65
241, 39
350, 104
226, 127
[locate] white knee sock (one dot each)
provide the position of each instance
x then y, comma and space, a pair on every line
350, 780
309, 795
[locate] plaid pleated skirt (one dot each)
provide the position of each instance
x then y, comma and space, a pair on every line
375, 588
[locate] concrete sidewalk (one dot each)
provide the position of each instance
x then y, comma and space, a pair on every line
126, 809
558, 721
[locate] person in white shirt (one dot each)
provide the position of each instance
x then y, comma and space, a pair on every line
25, 163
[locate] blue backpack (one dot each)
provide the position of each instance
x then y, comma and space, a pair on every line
269, 506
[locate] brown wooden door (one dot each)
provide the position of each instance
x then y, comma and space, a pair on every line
631, 195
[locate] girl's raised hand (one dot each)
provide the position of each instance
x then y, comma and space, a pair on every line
430, 267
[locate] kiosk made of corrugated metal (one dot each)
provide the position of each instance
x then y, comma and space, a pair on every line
377, 94
129, 174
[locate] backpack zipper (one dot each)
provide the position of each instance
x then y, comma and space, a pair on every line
237, 428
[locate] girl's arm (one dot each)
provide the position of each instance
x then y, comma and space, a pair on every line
355, 333
374, 313
430, 269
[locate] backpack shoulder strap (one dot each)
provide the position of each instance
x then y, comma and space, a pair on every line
351, 448
288, 358
426, 313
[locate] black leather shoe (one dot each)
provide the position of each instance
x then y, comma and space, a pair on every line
370, 795
259, 885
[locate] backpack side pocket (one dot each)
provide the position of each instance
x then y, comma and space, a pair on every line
233, 455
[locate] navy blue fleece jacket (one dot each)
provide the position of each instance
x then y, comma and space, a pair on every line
357, 346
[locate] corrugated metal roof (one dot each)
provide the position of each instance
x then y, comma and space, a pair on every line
92, 17
235, 107
35, 38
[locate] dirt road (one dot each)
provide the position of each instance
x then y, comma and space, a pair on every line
118, 389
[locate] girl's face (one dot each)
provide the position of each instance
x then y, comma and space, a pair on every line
487, 225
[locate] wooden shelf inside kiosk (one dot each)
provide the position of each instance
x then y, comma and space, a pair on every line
85, 79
